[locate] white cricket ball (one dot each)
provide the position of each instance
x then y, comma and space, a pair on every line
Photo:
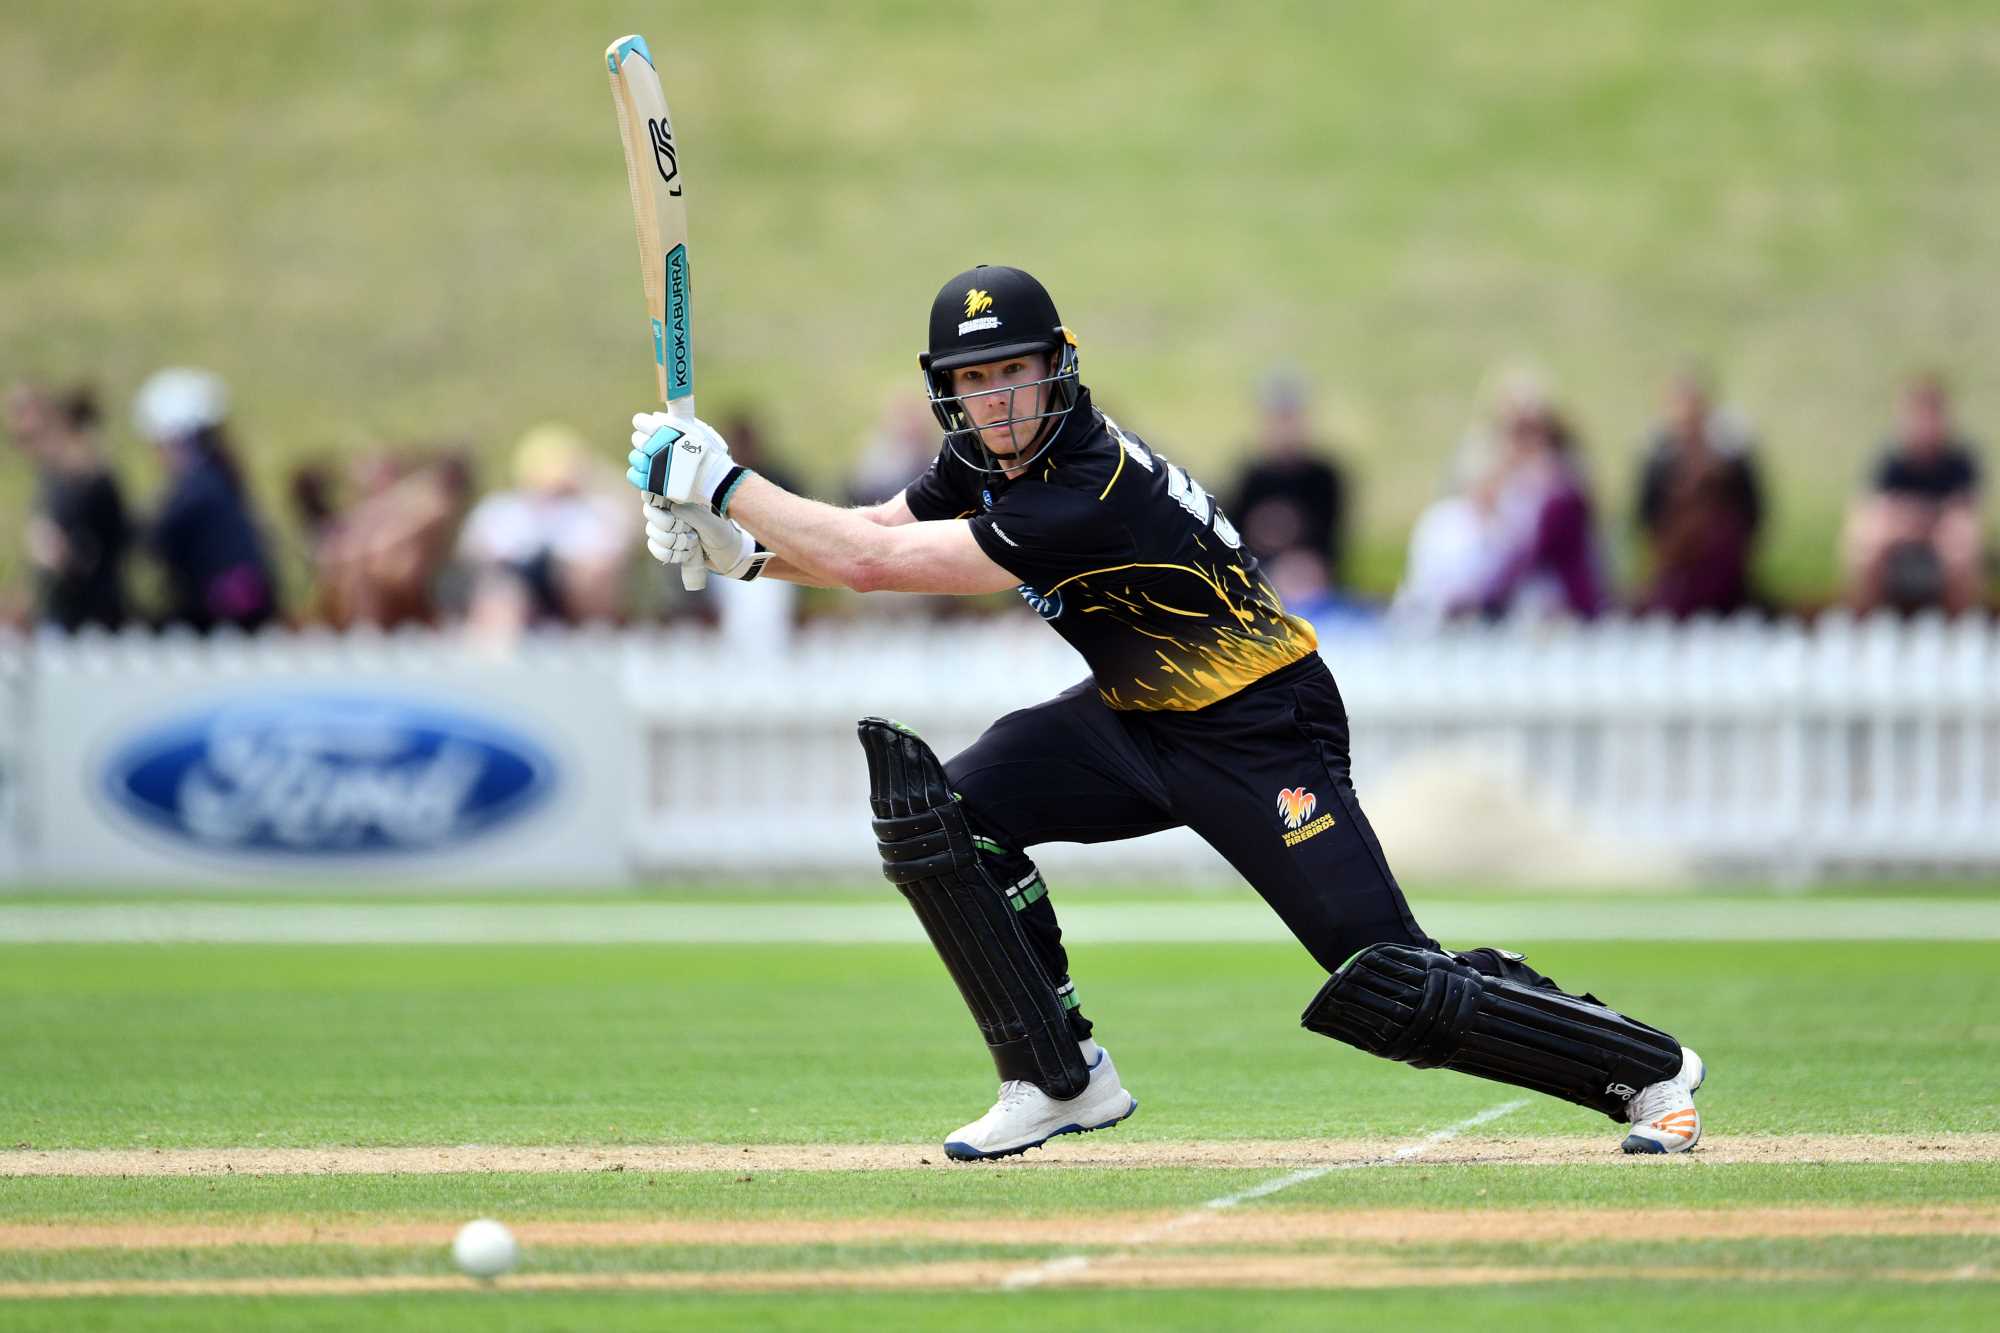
485, 1248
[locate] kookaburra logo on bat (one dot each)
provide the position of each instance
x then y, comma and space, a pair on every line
976, 302
665, 160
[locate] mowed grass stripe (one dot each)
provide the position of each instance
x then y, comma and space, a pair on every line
1113, 1154
1537, 1307
1125, 922
1014, 1199
1834, 1255
1251, 1226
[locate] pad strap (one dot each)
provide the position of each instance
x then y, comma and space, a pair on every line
928, 853
1487, 1013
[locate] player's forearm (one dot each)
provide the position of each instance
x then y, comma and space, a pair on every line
780, 568
817, 544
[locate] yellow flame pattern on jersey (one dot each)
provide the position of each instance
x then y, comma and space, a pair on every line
1237, 632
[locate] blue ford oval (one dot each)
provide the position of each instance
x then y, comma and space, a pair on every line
320, 775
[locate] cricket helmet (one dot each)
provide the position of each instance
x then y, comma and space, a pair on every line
990, 313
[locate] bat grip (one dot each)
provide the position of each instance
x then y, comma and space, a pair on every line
694, 577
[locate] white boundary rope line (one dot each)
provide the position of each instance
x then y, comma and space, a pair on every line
1070, 1265
389, 922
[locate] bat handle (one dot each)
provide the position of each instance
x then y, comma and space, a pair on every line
694, 577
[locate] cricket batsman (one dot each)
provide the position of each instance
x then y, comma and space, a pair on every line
1207, 705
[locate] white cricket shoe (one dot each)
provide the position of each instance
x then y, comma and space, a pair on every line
1026, 1117
1663, 1115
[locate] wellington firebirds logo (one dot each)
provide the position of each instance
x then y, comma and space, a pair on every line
1295, 808
977, 302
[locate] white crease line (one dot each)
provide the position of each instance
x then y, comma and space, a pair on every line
1069, 1265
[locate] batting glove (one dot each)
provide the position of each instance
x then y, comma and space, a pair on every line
671, 540
682, 460
725, 547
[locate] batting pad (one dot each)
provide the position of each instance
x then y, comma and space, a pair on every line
1437, 1010
928, 853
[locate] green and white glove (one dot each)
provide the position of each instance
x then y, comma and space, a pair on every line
682, 460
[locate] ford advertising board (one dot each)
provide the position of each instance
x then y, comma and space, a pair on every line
326, 775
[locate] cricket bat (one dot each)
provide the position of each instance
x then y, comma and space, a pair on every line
659, 208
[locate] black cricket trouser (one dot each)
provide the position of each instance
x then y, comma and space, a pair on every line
1262, 777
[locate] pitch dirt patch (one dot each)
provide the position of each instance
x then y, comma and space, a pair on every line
1163, 1229
1097, 1151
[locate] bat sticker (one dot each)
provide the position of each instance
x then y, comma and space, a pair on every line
665, 160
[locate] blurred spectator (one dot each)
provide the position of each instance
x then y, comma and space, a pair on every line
379, 560
1551, 563
1293, 495
204, 531
896, 452
553, 549
1913, 539
1700, 505
747, 446
1458, 544
1299, 576
77, 533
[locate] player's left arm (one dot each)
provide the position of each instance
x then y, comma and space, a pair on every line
686, 462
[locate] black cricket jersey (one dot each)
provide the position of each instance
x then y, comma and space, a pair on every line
1130, 560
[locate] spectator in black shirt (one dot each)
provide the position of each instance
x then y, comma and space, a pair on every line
1700, 506
204, 531
77, 534
1913, 539
1293, 495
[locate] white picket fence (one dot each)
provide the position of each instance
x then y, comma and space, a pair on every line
1771, 749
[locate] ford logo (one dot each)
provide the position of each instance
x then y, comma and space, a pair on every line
327, 775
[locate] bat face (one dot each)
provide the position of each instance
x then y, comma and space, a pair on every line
659, 209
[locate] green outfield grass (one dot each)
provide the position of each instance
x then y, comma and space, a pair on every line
1814, 1310
1042, 1189
388, 222
631, 1047
164, 1046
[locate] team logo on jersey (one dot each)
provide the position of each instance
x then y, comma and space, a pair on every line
1295, 810
977, 302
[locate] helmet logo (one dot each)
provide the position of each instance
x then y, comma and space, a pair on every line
977, 302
